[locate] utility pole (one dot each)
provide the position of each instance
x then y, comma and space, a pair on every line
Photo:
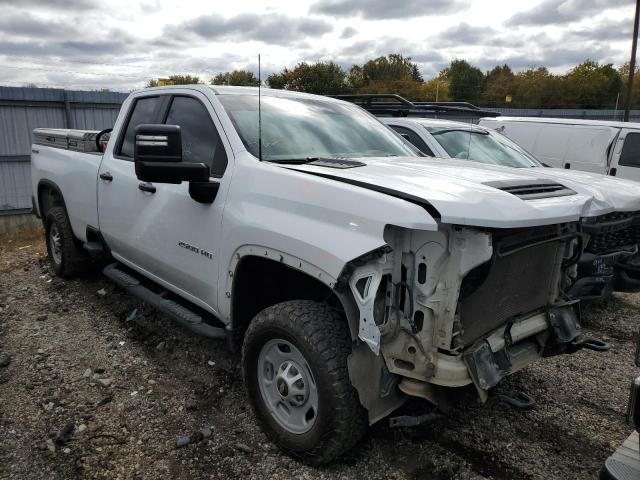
632, 62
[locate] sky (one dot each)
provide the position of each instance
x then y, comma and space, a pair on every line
121, 44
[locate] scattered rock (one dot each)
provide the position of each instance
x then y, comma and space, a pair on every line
195, 437
81, 428
49, 406
102, 292
5, 360
160, 346
87, 373
104, 401
132, 317
50, 446
105, 381
65, 434
243, 448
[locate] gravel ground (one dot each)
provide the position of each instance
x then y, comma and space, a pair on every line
126, 391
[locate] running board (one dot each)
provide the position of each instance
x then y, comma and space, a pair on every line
174, 310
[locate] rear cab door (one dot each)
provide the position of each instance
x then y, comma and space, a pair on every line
625, 161
158, 229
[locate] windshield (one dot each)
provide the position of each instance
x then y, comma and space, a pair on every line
482, 146
303, 128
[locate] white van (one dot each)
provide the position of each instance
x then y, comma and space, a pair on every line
611, 148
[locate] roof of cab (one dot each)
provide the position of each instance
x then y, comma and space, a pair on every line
566, 121
270, 92
233, 90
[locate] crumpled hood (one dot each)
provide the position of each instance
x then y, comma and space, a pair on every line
608, 193
459, 190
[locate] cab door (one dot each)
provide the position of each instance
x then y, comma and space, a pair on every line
625, 162
166, 234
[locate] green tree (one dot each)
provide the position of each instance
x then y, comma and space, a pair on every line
355, 78
466, 83
394, 74
393, 67
322, 78
241, 78
174, 80
535, 88
623, 71
590, 85
499, 84
278, 80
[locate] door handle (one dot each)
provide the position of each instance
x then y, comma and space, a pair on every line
145, 187
106, 176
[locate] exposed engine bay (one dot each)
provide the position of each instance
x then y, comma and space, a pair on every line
464, 306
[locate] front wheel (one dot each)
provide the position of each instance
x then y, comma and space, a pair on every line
294, 360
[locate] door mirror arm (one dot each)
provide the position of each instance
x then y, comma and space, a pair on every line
204, 192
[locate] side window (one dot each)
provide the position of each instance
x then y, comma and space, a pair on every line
200, 140
630, 155
144, 111
413, 138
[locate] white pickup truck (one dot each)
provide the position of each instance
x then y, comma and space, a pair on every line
611, 260
350, 273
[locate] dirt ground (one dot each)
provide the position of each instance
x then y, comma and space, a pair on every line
127, 390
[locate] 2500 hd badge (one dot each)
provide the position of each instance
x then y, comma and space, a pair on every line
194, 249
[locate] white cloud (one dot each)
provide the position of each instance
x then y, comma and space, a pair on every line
123, 43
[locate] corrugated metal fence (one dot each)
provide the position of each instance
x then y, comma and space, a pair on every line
22, 110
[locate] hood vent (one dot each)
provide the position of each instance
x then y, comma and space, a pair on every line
533, 191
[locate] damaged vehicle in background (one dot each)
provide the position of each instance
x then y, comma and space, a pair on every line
350, 273
610, 222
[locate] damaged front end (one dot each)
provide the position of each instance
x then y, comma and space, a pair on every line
460, 306
611, 257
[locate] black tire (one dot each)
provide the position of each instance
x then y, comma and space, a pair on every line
70, 259
323, 339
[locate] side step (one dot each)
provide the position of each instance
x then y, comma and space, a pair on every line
177, 312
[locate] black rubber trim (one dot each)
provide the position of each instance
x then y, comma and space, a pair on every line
48, 183
377, 188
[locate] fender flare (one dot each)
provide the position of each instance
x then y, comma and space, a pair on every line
344, 296
53, 186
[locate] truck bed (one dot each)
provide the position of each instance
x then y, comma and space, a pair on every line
72, 172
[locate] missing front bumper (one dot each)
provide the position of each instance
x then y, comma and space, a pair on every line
518, 344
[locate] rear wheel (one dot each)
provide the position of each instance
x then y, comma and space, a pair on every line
294, 360
65, 255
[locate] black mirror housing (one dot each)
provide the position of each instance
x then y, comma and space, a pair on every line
158, 143
158, 156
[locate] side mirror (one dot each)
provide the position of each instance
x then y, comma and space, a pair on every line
158, 156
